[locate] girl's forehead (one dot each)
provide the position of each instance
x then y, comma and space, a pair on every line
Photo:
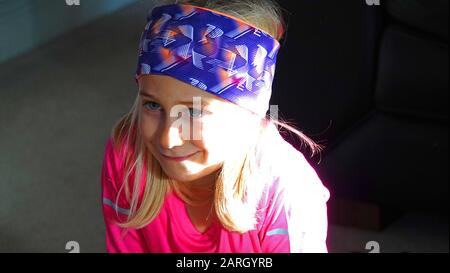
162, 86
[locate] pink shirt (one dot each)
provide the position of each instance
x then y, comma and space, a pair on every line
295, 217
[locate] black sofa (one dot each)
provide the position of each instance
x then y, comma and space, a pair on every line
370, 82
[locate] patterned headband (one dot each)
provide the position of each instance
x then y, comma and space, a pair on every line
210, 50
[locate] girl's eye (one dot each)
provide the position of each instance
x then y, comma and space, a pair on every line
151, 105
195, 113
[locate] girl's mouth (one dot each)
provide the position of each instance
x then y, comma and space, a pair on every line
181, 158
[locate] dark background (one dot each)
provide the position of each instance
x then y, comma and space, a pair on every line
370, 82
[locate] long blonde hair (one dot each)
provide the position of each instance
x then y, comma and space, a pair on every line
240, 182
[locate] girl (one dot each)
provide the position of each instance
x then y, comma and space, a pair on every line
196, 166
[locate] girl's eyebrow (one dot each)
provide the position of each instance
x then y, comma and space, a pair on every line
144, 94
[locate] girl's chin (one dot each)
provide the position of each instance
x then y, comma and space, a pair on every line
179, 177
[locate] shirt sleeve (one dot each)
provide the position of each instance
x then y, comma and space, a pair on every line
117, 239
296, 219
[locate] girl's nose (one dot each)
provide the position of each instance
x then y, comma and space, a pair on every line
171, 135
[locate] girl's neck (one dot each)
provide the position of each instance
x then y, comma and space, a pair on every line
205, 183
200, 191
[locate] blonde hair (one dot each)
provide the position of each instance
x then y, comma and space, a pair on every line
240, 182
264, 14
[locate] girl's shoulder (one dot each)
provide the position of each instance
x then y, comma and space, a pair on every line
116, 155
300, 179
112, 163
290, 172
114, 170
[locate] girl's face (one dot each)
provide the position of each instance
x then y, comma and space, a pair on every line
189, 131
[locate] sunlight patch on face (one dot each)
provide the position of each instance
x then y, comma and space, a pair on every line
230, 131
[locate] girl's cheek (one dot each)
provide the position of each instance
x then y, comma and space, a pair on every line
149, 125
216, 138
211, 130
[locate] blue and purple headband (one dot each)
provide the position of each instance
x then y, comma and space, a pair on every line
215, 52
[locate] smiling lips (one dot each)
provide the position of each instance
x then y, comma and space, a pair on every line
178, 158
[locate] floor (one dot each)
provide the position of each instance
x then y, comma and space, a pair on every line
58, 104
